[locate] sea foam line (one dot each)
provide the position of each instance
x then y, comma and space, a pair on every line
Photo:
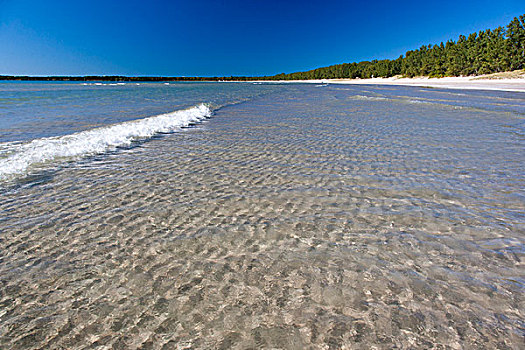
94, 141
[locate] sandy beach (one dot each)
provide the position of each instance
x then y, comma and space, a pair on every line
472, 83
507, 81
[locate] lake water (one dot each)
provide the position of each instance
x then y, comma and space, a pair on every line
293, 216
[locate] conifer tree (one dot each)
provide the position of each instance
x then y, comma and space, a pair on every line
488, 51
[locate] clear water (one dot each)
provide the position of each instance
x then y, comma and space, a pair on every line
297, 216
34, 110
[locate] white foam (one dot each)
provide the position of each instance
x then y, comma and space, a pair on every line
369, 98
105, 84
418, 102
19, 157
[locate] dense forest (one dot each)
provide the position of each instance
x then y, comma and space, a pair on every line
489, 51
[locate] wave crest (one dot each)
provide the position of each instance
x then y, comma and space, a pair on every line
17, 158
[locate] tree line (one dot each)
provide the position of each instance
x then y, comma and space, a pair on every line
485, 52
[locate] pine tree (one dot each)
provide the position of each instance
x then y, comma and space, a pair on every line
516, 42
485, 52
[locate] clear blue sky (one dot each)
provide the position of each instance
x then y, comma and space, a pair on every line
208, 38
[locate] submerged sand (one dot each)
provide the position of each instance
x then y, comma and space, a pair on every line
313, 218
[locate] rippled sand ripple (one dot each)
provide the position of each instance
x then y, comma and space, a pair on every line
293, 221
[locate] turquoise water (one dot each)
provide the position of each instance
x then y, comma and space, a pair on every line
261, 216
34, 110
42, 124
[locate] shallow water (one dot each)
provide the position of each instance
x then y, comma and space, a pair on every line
304, 217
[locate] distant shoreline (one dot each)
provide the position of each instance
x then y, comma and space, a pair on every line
506, 81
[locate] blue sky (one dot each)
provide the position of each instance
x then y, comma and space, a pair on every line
216, 38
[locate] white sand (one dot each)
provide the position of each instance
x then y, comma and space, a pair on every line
475, 83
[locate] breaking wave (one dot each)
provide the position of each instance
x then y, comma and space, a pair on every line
17, 158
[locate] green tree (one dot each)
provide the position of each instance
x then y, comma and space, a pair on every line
516, 42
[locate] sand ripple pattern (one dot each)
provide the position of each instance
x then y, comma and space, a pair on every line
294, 221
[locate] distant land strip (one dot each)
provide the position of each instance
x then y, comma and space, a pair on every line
126, 78
486, 52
